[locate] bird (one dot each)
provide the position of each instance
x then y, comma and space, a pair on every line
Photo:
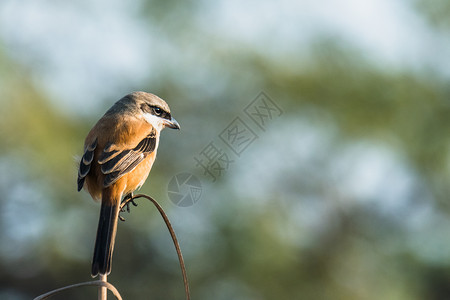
119, 152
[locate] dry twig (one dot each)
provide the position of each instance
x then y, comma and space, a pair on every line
172, 234
103, 284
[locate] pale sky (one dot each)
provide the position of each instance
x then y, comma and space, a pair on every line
87, 50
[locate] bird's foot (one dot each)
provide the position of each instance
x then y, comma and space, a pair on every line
127, 201
128, 198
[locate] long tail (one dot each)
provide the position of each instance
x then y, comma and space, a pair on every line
106, 235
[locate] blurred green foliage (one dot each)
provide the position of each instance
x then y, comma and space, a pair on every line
436, 12
304, 238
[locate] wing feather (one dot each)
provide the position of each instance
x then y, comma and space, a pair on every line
85, 164
115, 163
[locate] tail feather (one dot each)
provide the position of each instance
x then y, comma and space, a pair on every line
106, 235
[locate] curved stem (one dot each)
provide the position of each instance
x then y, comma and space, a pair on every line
101, 283
172, 234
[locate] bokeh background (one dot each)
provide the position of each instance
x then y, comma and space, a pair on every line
343, 196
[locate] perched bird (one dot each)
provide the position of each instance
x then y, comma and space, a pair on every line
119, 152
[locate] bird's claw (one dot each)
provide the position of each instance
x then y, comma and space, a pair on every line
128, 198
128, 205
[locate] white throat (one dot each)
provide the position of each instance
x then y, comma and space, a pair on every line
155, 121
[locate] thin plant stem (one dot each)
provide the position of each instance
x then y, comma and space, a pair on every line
103, 291
101, 283
172, 234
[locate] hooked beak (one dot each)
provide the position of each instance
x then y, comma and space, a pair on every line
172, 123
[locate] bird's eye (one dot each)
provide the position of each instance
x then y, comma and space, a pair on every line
158, 111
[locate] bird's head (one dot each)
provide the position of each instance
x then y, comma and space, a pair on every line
153, 110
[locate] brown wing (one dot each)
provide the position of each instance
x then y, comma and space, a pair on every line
85, 163
116, 163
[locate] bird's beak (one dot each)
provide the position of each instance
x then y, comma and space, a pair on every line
172, 123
